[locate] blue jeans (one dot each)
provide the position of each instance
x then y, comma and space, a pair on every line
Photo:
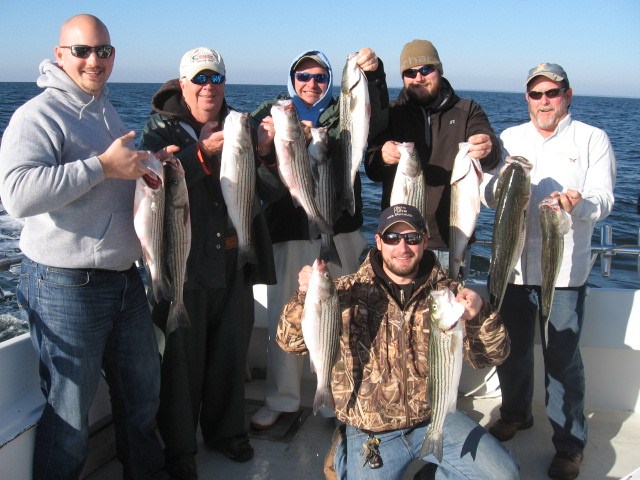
564, 371
469, 452
82, 321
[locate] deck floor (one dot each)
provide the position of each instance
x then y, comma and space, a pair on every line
612, 451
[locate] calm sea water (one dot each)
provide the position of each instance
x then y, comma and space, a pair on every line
619, 117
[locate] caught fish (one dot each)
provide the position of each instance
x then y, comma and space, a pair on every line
294, 166
321, 322
322, 166
238, 181
513, 192
148, 221
177, 240
445, 365
555, 224
466, 177
355, 112
409, 185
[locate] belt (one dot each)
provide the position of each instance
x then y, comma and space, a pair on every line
230, 242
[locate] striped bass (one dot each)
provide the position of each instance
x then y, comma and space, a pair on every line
294, 166
445, 365
555, 223
355, 112
321, 321
177, 240
148, 221
238, 181
466, 177
409, 185
322, 166
509, 227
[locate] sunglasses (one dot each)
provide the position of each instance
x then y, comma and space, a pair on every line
201, 79
424, 71
83, 51
553, 93
411, 238
306, 77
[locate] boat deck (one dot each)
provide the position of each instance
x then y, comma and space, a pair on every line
299, 441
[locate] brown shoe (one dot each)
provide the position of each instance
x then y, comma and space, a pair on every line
505, 430
565, 465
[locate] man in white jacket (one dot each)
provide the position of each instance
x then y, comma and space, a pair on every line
574, 163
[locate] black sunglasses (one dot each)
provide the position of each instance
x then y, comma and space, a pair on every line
423, 70
83, 51
553, 93
393, 238
201, 78
306, 77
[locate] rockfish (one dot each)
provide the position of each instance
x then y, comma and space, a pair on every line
321, 323
148, 221
177, 240
513, 192
555, 224
445, 364
466, 177
238, 181
355, 112
322, 167
294, 166
409, 185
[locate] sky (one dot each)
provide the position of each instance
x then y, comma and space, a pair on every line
486, 45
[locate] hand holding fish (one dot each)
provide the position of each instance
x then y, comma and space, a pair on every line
471, 301
304, 277
480, 146
167, 152
211, 138
266, 133
307, 125
367, 60
567, 200
123, 162
390, 153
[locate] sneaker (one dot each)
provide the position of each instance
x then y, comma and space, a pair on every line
181, 468
565, 465
264, 418
505, 430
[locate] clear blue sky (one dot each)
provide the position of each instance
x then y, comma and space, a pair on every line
483, 44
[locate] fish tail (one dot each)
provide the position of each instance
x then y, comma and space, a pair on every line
323, 398
161, 290
177, 317
432, 444
329, 252
246, 254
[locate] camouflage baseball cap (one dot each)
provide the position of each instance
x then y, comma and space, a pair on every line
552, 71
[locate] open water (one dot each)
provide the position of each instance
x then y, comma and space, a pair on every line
619, 117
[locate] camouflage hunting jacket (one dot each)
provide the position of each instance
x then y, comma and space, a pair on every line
380, 379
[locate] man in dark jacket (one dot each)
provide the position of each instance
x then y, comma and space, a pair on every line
430, 114
203, 370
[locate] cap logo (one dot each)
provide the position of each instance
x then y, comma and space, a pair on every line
399, 210
202, 57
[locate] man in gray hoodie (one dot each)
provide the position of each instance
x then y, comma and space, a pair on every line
68, 168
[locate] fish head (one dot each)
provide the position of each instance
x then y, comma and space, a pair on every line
409, 163
153, 164
321, 283
550, 208
444, 309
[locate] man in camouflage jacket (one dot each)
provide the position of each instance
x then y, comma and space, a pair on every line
380, 380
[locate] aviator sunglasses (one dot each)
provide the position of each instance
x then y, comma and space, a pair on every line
201, 78
424, 71
553, 93
393, 238
83, 51
306, 77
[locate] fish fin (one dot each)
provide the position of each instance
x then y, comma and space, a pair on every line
323, 398
161, 290
177, 318
545, 339
246, 254
432, 445
329, 253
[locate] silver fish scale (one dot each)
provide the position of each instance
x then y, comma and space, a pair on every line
509, 227
409, 184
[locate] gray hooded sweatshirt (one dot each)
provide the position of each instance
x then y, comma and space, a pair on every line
50, 175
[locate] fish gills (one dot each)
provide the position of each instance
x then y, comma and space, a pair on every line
294, 167
509, 226
322, 167
238, 181
409, 185
466, 177
321, 323
445, 365
555, 224
177, 240
355, 112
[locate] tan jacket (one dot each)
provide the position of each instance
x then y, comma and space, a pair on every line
380, 378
